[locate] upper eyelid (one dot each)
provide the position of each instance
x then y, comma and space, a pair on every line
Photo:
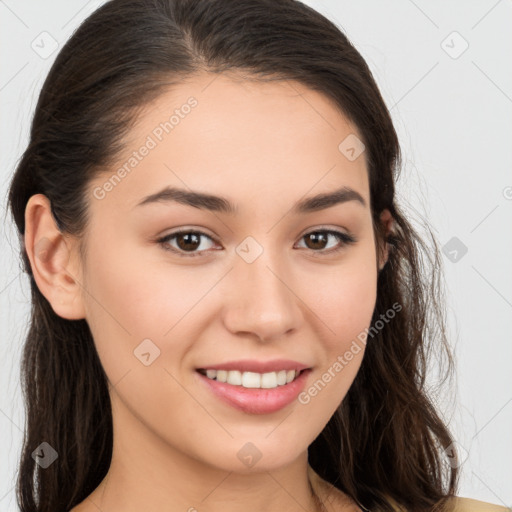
327, 229
214, 238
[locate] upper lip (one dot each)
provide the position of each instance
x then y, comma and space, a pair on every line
250, 365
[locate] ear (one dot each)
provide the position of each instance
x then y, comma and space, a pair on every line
387, 221
54, 259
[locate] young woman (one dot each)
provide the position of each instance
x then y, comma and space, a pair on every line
229, 309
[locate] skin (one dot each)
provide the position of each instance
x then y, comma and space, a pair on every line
263, 146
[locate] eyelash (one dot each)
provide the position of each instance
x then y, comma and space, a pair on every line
344, 239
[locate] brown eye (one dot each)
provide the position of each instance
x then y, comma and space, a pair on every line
185, 242
188, 241
318, 240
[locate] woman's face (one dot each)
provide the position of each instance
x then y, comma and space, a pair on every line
265, 280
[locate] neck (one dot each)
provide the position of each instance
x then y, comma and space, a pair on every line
148, 474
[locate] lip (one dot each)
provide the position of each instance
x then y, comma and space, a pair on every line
256, 400
250, 365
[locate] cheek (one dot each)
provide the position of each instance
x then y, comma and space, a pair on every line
130, 299
344, 298
120, 306
346, 304
126, 293
344, 301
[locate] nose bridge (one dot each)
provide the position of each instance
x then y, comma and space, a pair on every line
262, 301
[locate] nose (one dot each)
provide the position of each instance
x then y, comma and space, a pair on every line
263, 301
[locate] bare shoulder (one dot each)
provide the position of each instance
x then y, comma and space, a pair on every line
470, 505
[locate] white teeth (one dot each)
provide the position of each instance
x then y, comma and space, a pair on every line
235, 378
251, 380
268, 380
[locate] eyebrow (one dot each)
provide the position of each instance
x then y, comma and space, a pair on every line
220, 204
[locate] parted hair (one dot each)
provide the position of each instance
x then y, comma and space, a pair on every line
386, 442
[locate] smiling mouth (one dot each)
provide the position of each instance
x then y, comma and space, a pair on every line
252, 380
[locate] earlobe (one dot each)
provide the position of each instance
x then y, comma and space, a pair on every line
387, 222
52, 259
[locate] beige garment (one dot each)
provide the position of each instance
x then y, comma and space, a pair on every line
336, 500
469, 505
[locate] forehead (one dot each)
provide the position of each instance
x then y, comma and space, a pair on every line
229, 134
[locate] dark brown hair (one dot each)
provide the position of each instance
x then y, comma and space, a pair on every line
385, 442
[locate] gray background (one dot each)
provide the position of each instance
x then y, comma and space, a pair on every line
452, 110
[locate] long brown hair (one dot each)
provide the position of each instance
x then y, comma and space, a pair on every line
386, 441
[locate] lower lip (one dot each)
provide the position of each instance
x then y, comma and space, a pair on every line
257, 400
